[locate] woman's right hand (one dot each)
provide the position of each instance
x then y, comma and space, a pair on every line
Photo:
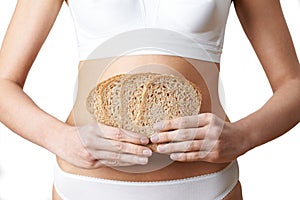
95, 145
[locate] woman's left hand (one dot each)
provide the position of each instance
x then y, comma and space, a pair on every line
203, 137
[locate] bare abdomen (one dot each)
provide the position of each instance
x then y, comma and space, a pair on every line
203, 74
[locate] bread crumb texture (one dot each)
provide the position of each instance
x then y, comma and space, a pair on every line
135, 102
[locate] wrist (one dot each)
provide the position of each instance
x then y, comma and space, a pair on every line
247, 141
56, 137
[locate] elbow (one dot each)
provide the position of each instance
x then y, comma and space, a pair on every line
291, 80
288, 91
4, 81
294, 89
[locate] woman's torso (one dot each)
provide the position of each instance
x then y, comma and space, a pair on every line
204, 74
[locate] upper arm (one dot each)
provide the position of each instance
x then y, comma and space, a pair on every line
265, 26
31, 22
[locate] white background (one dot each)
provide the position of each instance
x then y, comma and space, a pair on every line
270, 171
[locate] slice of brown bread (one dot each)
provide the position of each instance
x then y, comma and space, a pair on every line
94, 100
167, 97
90, 102
115, 108
111, 100
131, 98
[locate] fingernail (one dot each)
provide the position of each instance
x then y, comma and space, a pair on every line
142, 160
158, 126
174, 156
161, 148
144, 140
147, 152
154, 138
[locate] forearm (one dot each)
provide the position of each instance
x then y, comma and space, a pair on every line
20, 114
277, 116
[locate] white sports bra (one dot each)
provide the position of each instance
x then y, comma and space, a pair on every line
188, 28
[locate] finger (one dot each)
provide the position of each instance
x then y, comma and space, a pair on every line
113, 163
122, 135
175, 147
191, 156
120, 158
181, 122
179, 135
110, 163
116, 146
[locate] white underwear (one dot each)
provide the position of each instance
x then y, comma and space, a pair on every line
214, 186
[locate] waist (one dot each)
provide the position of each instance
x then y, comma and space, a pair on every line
202, 73
175, 170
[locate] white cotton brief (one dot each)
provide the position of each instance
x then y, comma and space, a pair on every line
214, 186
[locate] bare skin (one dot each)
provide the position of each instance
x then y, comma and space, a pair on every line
275, 51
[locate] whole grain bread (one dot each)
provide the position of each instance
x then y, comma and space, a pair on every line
135, 102
167, 97
111, 100
94, 101
131, 98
